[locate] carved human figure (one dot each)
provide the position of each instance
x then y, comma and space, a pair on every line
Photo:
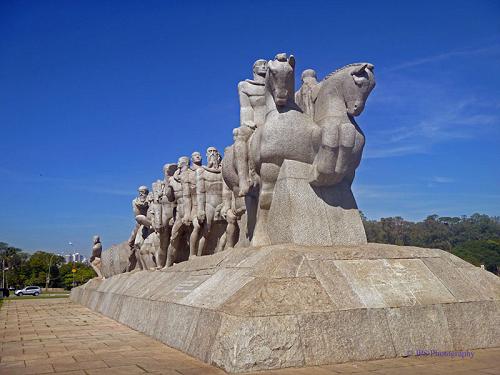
140, 206
188, 180
252, 115
209, 195
164, 214
95, 259
174, 194
308, 92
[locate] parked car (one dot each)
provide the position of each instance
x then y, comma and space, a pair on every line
29, 290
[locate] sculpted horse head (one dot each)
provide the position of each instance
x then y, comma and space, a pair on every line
352, 84
280, 79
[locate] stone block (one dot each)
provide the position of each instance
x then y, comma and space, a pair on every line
474, 324
258, 343
345, 335
393, 282
268, 296
418, 328
306, 215
336, 285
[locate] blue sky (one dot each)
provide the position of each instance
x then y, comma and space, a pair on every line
95, 96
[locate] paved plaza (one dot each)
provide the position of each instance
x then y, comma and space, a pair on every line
57, 336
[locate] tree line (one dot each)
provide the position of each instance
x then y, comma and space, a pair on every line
474, 238
22, 269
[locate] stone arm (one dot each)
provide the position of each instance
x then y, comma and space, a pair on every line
186, 198
200, 193
135, 209
246, 110
227, 199
169, 193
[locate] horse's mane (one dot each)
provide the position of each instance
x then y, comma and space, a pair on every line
339, 69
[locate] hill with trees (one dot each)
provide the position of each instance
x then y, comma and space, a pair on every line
475, 239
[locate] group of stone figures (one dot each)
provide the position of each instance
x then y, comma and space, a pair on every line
199, 209
184, 215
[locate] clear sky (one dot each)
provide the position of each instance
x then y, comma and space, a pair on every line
95, 96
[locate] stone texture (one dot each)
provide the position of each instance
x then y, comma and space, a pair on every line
418, 327
393, 282
258, 343
115, 259
306, 215
474, 324
289, 305
345, 335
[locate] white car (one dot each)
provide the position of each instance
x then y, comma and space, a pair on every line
29, 290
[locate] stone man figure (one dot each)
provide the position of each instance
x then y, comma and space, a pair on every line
188, 180
252, 115
174, 194
164, 223
140, 206
209, 194
95, 259
308, 92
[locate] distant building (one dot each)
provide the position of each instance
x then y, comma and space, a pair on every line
75, 257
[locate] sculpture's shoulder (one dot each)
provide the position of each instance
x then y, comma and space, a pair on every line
251, 88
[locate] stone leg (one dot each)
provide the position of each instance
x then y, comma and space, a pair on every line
194, 238
175, 242
231, 230
242, 134
206, 228
132, 260
161, 253
269, 174
96, 265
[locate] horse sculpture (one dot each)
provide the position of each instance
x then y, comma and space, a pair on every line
331, 142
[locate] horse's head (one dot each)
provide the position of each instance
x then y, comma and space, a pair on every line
280, 79
357, 83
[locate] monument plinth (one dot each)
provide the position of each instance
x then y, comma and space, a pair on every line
307, 215
288, 305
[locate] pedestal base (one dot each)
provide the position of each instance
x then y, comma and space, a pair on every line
292, 306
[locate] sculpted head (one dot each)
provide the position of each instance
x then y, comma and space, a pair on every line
260, 68
143, 191
357, 85
308, 74
196, 158
182, 163
214, 158
280, 78
169, 170
96, 239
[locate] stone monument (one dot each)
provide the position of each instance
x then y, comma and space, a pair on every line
300, 285
95, 259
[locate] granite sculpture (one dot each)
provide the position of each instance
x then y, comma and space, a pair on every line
298, 284
209, 188
331, 141
95, 259
140, 206
180, 229
190, 201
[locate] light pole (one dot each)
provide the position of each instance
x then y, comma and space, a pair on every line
3, 273
47, 279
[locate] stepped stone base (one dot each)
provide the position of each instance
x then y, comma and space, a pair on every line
293, 306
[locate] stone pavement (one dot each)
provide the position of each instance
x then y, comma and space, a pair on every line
57, 336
